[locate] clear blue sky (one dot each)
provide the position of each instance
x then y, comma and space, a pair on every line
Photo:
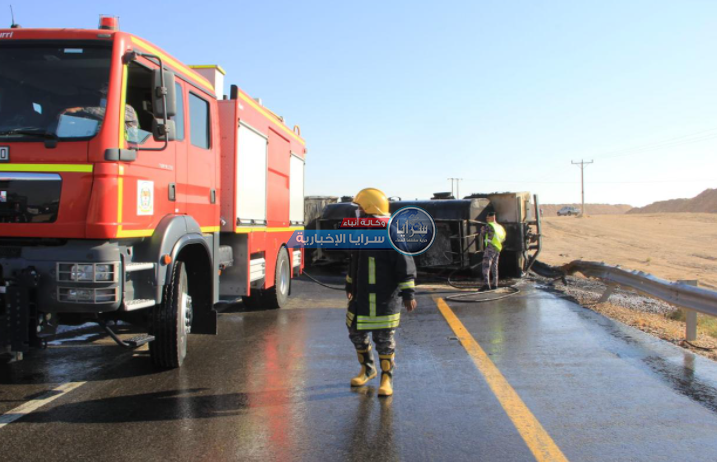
401, 95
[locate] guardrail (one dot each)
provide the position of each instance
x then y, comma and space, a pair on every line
539, 235
681, 293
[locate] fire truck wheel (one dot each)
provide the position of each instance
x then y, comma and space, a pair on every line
171, 321
253, 301
277, 296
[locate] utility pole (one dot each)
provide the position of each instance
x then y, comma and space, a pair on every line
582, 165
457, 180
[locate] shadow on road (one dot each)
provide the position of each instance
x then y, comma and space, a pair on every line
192, 403
78, 364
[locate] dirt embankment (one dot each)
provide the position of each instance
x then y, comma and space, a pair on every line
670, 246
705, 202
551, 210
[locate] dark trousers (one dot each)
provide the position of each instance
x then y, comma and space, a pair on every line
383, 338
490, 267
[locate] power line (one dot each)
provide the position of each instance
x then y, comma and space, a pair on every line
582, 164
703, 135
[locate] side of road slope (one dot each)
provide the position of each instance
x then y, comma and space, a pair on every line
670, 246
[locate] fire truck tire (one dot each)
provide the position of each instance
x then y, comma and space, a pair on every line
254, 300
171, 321
278, 295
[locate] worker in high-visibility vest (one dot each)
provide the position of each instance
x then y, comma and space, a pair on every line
493, 236
378, 283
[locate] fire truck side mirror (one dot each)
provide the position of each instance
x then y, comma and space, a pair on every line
164, 90
163, 132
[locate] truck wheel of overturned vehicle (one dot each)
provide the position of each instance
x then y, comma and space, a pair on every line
172, 321
277, 296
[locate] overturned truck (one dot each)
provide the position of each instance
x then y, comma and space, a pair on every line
458, 224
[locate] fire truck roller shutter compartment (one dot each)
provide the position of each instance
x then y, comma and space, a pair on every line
251, 171
296, 190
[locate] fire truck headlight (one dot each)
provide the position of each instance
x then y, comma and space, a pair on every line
75, 272
83, 295
87, 272
82, 273
76, 295
104, 273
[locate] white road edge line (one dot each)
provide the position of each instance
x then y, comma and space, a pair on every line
35, 404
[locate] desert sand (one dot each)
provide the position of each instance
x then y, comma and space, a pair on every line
671, 246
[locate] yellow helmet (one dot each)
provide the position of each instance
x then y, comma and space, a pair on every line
373, 201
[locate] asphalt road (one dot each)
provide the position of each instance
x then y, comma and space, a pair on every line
531, 377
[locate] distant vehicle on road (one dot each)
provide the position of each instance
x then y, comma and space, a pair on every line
567, 211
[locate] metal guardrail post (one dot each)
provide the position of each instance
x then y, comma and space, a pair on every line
690, 316
609, 289
539, 246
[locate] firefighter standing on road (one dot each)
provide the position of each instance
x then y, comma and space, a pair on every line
493, 236
374, 282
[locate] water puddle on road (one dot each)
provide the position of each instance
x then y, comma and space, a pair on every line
682, 379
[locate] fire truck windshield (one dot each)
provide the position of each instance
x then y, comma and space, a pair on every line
52, 91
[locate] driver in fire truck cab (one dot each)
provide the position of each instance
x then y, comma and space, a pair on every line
131, 121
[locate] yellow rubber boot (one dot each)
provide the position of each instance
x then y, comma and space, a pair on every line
368, 369
387, 366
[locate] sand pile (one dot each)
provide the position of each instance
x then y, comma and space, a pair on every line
705, 202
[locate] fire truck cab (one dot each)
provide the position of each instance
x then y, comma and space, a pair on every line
131, 191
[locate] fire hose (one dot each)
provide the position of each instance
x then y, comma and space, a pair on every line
461, 296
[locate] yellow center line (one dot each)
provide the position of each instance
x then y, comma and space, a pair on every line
539, 442
34, 404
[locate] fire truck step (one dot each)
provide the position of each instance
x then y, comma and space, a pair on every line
131, 305
131, 267
133, 342
139, 340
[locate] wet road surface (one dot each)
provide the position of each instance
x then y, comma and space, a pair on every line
274, 386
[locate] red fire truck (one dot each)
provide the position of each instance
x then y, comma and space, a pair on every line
130, 190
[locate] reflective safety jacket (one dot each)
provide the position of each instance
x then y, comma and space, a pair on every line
378, 280
494, 236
